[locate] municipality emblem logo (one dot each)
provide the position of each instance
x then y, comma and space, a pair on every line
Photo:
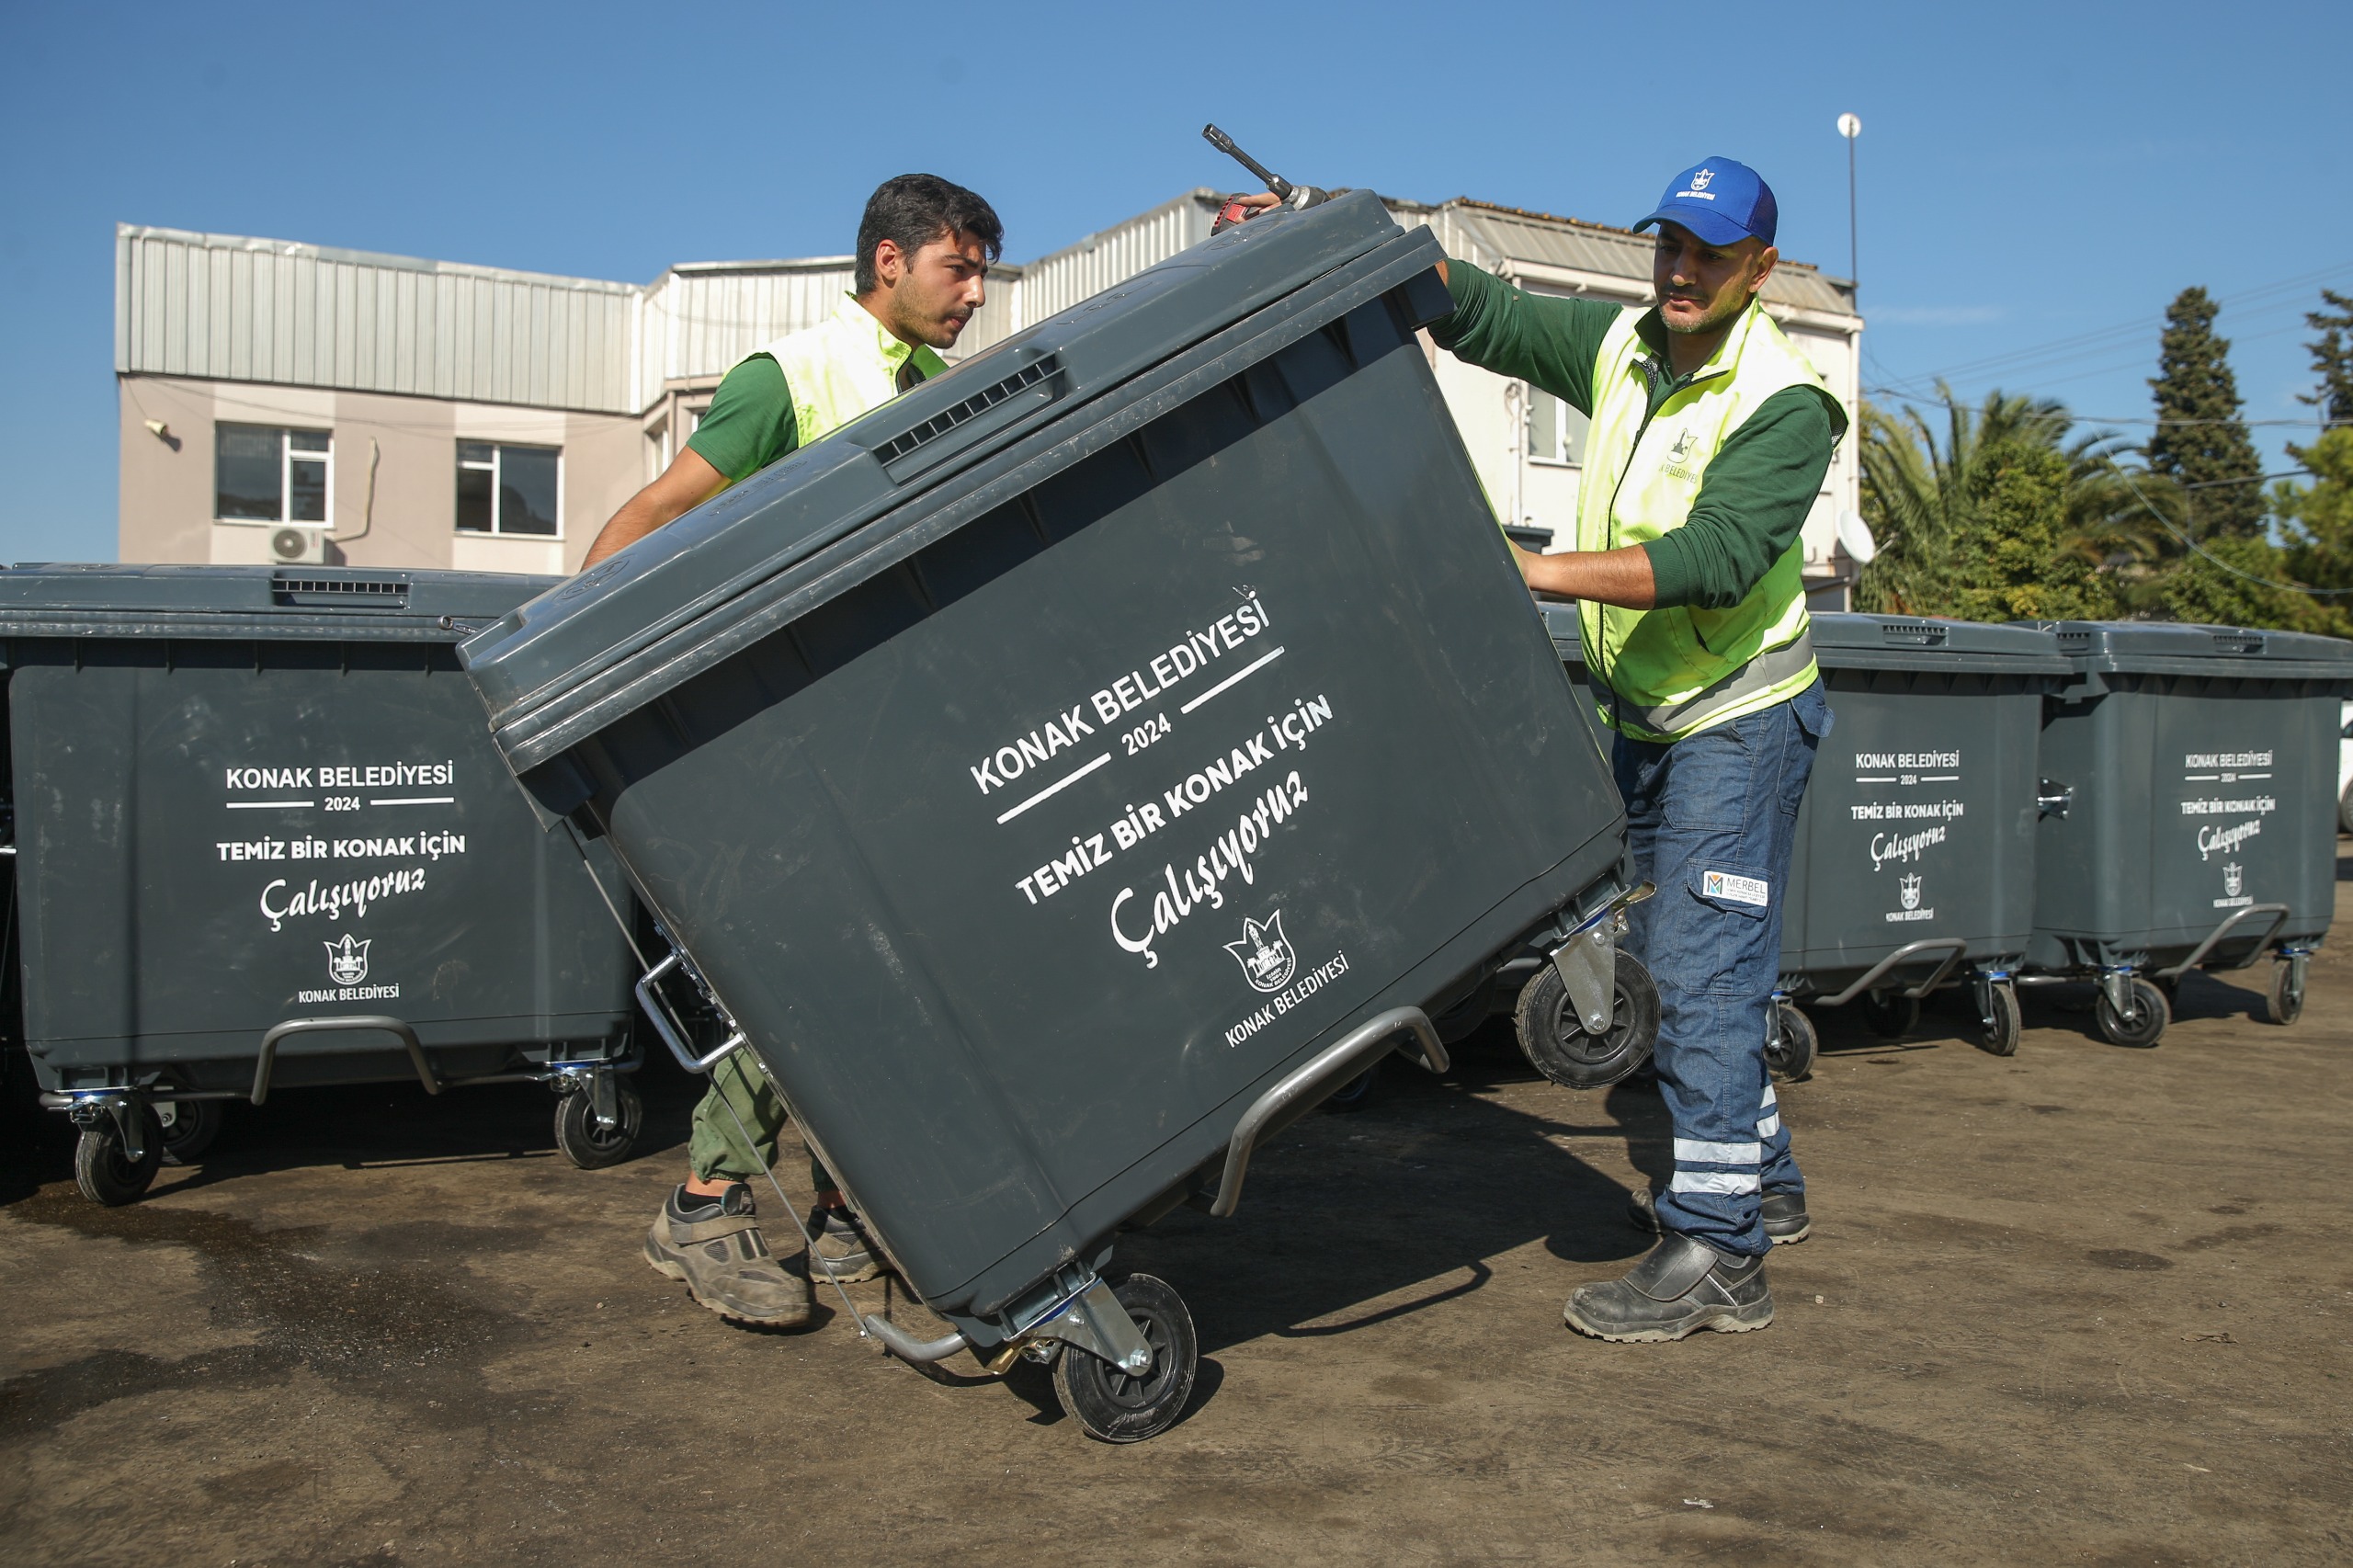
346, 962
1700, 181
1264, 953
1682, 447
2232, 879
1910, 888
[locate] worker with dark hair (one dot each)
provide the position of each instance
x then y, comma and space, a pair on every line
923, 247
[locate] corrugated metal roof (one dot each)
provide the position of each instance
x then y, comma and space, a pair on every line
701, 319
1495, 234
1081, 271
229, 308
226, 307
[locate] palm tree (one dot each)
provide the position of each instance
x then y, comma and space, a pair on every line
1923, 498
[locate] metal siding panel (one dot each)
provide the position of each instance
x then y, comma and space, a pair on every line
245, 296
220, 326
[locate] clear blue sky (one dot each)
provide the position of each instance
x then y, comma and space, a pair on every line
2029, 172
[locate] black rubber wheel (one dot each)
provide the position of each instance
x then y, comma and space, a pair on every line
1555, 1043
101, 1171
1357, 1092
1891, 1014
1118, 1408
1462, 1020
2143, 1025
585, 1144
2286, 1004
195, 1124
1999, 1034
1789, 1055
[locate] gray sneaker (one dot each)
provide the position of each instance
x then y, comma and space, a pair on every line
714, 1247
843, 1248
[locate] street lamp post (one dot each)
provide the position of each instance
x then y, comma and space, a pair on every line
1850, 126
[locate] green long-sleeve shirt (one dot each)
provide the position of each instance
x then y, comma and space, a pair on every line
1758, 488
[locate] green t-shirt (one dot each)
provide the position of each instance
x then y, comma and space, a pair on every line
749, 424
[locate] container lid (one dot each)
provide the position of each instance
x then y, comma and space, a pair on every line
709, 565
47, 599
1850, 641
2144, 647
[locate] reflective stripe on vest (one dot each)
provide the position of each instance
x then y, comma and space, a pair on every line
1677, 670
845, 366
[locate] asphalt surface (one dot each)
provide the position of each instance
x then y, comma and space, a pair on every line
2084, 1304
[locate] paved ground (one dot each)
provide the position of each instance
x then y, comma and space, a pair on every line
2084, 1305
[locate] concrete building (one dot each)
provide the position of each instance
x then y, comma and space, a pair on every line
284, 402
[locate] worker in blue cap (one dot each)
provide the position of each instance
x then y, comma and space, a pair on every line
1711, 434
1709, 437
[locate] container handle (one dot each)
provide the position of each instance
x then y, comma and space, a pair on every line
657, 1013
267, 1062
1303, 1085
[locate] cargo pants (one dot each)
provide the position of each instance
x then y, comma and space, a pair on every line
720, 1148
1710, 819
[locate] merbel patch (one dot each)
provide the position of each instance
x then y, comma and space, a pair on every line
1736, 890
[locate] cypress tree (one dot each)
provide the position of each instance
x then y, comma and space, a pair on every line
2201, 441
2332, 359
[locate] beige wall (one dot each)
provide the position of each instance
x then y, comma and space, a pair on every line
393, 496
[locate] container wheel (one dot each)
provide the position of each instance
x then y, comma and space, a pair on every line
100, 1170
1357, 1092
591, 1147
1118, 1408
2287, 1000
2143, 1025
1891, 1014
194, 1125
1789, 1055
1555, 1043
2345, 809
1998, 1032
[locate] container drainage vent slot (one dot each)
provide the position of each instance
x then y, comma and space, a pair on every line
380, 593
2238, 642
964, 413
1913, 633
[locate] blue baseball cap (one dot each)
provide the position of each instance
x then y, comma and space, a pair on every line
1722, 201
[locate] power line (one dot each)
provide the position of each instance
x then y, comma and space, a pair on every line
1893, 394
2066, 347
2202, 554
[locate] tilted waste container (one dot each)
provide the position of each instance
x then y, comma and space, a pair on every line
2189, 780
261, 840
1912, 866
1067, 773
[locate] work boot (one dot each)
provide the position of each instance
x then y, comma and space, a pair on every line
843, 1247
1683, 1286
1785, 1216
714, 1246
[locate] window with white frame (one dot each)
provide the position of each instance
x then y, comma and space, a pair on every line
505, 489
1555, 431
264, 474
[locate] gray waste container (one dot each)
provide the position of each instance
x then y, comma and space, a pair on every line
1914, 862
262, 840
2190, 819
1074, 770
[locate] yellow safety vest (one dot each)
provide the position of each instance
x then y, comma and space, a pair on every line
1677, 671
845, 366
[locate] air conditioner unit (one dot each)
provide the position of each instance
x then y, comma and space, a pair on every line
291, 547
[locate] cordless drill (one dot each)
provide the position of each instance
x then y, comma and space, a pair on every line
1293, 196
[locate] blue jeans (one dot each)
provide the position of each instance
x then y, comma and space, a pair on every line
1711, 820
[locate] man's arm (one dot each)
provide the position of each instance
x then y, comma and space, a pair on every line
1620, 577
1751, 505
687, 483
1545, 341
